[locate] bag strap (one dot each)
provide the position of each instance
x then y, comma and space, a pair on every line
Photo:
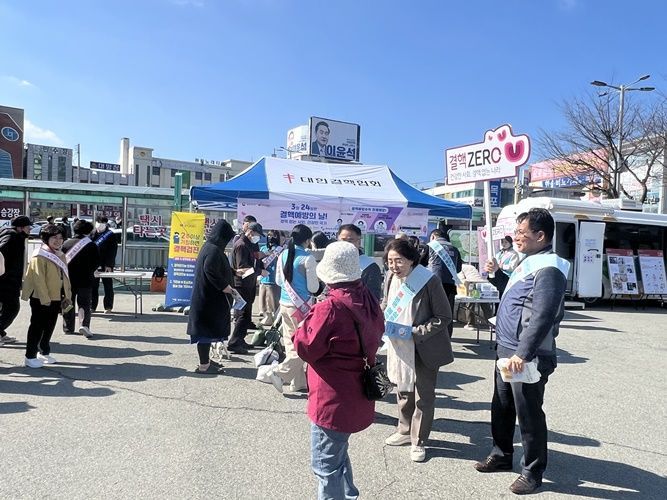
361, 343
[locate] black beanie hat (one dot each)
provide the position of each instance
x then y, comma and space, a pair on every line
21, 221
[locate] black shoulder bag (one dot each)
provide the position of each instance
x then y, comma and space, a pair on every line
374, 379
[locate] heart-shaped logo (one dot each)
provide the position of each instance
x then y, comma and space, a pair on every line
502, 135
514, 152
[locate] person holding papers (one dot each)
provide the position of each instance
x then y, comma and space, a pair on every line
297, 277
47, 288
527, 323
417, 316
82, 259
269, 292
209, 318
247, 267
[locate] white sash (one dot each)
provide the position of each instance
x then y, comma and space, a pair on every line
73, 252
269, 259
437, 247
53, 258
532, 264
411, 287
365, 261
302, 307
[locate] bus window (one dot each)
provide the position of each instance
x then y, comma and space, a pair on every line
565, 240
634, 236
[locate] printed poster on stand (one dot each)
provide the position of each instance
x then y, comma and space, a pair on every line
652, 264
185, 242
622, 271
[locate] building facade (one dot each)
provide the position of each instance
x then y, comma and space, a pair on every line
47, 163
11, 142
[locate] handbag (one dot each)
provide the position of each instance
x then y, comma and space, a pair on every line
158, 280
374, 379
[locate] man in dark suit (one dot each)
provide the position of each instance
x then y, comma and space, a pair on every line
319, 146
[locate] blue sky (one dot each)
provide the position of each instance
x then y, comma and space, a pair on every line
227, 79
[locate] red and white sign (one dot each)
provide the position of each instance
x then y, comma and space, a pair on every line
497, 157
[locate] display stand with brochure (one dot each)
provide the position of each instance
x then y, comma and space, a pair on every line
652, 265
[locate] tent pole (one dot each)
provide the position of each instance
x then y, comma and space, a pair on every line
470, 241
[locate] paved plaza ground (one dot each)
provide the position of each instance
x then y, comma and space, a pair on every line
123, 416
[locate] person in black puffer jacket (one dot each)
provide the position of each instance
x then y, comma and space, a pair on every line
12, 247
82, 259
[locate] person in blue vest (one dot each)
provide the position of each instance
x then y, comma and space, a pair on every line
269, 292
529, 315
297, 276
371, 274
444, 260
107, 247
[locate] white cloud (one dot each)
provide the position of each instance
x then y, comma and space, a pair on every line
38, 135
18, 81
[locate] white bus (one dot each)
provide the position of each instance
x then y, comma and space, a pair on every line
591, 228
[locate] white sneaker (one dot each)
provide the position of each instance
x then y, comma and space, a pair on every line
7, 340
33, 363
469, 327
277, 381
418, 454
46, 359
85, 331
397, 439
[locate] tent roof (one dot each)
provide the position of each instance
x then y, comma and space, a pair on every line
277, 178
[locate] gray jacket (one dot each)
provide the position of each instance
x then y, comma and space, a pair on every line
431, 316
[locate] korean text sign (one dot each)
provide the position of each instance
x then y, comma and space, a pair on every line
496, 157
185, 242
333, 139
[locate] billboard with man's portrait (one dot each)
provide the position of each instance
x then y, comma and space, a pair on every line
334, 140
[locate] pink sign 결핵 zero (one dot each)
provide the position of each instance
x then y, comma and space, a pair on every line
497, 157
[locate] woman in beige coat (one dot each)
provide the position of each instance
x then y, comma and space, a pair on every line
47, 287
413, 362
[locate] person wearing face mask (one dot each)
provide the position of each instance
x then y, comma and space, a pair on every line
507, 257
47, 287
246, 267
417, 317
12, 247
269, 292
107, 247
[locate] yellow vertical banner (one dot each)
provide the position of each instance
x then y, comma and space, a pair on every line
185, 241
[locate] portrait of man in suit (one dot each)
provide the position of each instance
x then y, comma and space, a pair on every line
319, 146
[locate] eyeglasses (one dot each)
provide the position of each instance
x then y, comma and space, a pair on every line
518, 232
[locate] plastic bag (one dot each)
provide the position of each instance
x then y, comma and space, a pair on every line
529, 375
266, 356
264, 372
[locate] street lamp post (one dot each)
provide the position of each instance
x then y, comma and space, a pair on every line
621, 109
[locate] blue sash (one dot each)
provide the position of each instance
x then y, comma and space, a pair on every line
105, 236
437, 247
532, 264
411, 287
